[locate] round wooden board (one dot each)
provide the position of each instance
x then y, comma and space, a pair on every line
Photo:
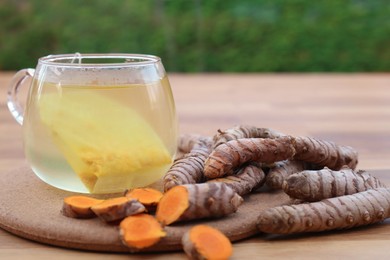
32, 209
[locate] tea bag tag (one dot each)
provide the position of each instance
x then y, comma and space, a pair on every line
77, 56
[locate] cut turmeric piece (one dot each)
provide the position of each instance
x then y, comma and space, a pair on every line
140, 231
79, 206
196, 201
117, 208
147, 196
206, 242
172, 205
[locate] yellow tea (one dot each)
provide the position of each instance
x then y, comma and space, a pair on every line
101, 138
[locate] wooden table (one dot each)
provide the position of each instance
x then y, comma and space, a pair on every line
350, 109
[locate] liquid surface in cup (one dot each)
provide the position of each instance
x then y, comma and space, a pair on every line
100, 139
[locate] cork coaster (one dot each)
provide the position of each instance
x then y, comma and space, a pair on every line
30, 208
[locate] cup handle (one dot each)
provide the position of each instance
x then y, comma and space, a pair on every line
13, 103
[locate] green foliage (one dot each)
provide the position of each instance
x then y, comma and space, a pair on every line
204, 35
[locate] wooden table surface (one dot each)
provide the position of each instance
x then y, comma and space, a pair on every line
350, 109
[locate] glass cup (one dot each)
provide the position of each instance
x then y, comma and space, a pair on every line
97, 123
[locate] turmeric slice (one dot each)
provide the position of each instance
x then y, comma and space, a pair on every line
79, 206
117, 208
205, 242
196, 201
140, 231
363, 208
147, 196
325, 183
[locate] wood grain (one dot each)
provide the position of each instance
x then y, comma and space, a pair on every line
350, 109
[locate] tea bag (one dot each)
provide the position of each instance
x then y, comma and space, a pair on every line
109, 145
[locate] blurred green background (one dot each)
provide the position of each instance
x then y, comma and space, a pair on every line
204, 35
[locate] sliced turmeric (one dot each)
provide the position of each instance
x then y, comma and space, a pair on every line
342, 212
79, 206
244, 131
206, 242
249, 178
147, 196
196, 201
188, 169
117, 208
140, 231
281, 171
325, 183
228, 156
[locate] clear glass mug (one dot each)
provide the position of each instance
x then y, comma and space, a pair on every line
97, 123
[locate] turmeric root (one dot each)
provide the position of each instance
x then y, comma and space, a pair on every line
189, 169
79, 206
343, 212
117, 208
196, 201
230, 155
188, 141
249, 178
147, 196
140, 231
325, 183
205, 242
244, 131
281, 171
324, 153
